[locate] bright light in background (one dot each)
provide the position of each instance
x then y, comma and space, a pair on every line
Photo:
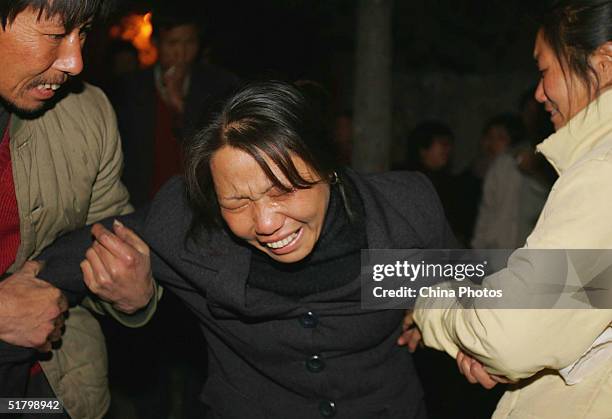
137, 29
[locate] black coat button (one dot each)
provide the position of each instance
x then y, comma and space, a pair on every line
309, 320
315, 364
327, 408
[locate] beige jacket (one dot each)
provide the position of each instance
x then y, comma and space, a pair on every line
67, 165
533, 345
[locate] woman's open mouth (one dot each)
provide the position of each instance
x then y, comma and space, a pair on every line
285, 245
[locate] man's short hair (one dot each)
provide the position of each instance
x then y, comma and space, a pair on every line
72, 12
165, 18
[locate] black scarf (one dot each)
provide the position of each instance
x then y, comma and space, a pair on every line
335, 259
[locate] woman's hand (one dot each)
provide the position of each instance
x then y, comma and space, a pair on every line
117, 268
472, 369
411, 335
475, 372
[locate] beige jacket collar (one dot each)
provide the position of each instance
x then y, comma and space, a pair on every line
18, 131
580, 135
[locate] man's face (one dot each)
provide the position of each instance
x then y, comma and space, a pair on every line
437, 156
178, 46
37, 55
495, 140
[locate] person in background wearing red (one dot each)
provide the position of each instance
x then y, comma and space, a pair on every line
160, 107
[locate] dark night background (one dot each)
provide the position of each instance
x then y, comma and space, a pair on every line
315, 39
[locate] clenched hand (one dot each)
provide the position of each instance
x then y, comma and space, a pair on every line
31, 310
117, 268
475, 373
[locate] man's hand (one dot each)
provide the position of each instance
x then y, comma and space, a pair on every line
411, 335
31, 310
475, 372
117, 268
173, 80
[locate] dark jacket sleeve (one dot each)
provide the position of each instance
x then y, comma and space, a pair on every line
154, 223
62, 259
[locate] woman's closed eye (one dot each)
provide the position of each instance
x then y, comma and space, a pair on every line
281, 193
235, 204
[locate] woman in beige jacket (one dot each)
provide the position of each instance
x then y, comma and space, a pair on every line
561, 359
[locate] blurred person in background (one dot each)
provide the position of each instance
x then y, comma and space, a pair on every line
516, 185
499, 134
430, 146
157, 108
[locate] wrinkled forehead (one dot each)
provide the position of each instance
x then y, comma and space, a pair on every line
256, 166
237, 173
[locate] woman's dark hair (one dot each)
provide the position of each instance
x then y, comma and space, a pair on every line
422, 137
72, 12
574, 29
269, 121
